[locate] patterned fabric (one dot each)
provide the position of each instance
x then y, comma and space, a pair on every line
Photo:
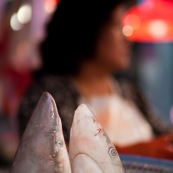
66, 97
139, 164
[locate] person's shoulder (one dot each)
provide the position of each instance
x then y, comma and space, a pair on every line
59, 87
56, 85
52, 82
49, 80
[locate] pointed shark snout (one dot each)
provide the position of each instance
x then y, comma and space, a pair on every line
91, 146
42, 148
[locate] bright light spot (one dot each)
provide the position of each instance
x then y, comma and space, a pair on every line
127, 30
24, 13
15, 25
132, 20
171, 115
50, 6
158, 28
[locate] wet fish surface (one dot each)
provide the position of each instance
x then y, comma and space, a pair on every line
90, 149
42, 148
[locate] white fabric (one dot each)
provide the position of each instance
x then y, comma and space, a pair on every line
120, 118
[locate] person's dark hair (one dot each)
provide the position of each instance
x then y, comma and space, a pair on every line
72, 33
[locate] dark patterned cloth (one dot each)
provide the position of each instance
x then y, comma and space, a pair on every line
66, 97
140, 164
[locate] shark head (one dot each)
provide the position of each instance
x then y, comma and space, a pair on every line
90, 146
42, 148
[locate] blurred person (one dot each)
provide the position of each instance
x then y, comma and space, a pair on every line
83, 48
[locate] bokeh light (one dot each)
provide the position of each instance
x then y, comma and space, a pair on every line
14, 23
134, 20
158, 28
50, 5
127, 30
24, 14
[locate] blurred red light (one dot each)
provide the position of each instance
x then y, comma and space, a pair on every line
151, 21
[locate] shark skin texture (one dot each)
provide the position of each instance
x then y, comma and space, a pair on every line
42, 148
90, 149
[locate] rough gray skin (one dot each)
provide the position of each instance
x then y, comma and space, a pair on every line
42, 148
91, 147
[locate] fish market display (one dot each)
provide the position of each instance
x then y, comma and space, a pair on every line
43, 150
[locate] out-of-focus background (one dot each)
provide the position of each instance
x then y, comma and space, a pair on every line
21, 29
22, 26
